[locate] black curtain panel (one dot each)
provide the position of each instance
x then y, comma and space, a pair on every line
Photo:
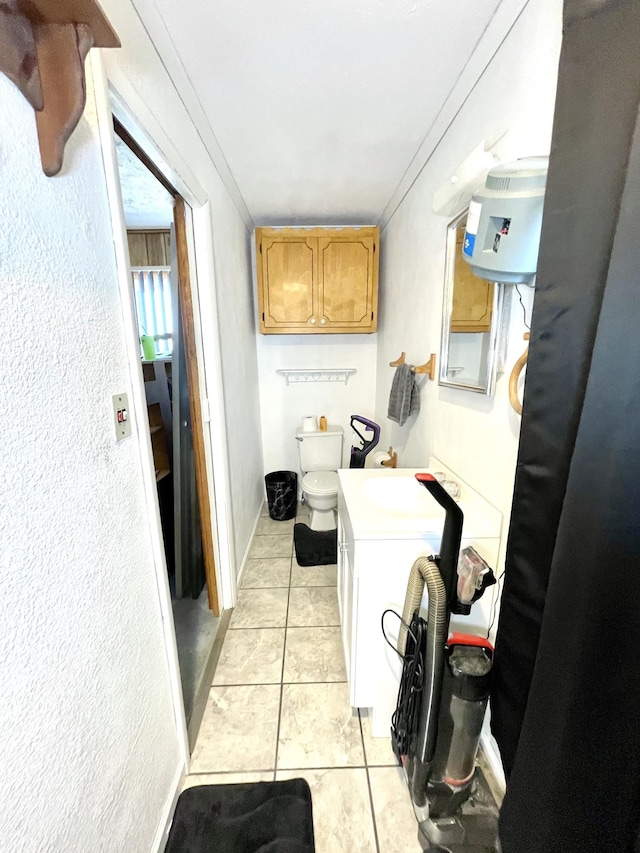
566, 700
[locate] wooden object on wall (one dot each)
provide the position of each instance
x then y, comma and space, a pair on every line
18, 59
43, 46
317, 280
428, 368
149, 248
62, 50
518, 367
472, 296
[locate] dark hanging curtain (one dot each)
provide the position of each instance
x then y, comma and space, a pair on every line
566, 700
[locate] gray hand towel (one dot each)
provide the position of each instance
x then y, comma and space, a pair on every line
404, 399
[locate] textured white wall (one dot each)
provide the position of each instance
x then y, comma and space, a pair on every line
87, 732
140, 78
474, 435
283, 406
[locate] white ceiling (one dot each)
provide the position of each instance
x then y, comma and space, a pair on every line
317, 111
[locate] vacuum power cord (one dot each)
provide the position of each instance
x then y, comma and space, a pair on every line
403, 719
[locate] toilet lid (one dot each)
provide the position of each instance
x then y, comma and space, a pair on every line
320, 482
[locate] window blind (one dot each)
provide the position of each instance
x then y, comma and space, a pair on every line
152, 290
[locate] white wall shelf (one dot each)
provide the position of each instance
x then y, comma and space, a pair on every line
333, 374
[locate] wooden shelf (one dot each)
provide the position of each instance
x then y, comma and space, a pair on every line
160, 415
43, 46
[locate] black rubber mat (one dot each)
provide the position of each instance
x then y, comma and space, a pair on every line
257, 817
315, 547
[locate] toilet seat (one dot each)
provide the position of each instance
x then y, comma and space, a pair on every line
320, 483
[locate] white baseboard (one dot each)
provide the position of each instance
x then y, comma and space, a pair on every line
492, 755
162, 833
249, 544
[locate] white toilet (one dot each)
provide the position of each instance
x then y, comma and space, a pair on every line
320, 458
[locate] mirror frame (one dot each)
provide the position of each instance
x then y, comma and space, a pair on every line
447, 307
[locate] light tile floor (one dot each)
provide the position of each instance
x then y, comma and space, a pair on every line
279, 706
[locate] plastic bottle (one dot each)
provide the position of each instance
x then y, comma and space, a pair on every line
322, 423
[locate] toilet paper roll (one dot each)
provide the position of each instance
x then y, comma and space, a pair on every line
379, 457
309, 423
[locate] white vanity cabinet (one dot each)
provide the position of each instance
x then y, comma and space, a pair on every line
384, 524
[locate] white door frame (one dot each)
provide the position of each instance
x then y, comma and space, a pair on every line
109, 101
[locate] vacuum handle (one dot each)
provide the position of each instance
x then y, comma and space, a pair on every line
367, 424
451, 535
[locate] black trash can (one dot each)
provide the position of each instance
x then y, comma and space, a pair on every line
282, 494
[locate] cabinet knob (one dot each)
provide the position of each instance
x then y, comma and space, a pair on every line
323, 322
313, 321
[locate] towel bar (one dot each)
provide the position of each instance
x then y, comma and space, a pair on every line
429, 367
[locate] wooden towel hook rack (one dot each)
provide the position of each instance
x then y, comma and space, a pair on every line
429, 367
516, 405
398, 361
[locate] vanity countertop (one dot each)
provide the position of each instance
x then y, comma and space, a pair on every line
389, 503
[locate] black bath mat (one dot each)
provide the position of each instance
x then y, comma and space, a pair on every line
256, 817
315, 547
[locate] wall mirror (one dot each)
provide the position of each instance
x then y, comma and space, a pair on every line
471, 321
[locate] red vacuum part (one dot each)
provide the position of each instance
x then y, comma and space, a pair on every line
457, 639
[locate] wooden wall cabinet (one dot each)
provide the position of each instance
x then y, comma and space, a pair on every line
317, 280
472, 296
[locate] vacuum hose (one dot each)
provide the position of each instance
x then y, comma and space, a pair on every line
425, 571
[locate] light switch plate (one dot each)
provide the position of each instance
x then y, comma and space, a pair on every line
121, 416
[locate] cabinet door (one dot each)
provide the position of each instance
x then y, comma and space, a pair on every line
348, 281
472, 296
287, 283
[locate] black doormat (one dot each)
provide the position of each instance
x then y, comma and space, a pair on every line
256, 817
315, 547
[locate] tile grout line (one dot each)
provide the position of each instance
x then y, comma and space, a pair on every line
286, 627
366, 767
302, 770
284, 653
275, 683
288, 588
288, 769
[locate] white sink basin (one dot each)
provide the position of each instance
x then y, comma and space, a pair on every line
391, 504
402, 496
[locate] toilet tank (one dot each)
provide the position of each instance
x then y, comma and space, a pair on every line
320, 451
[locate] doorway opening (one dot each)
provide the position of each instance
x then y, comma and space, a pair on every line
158, 222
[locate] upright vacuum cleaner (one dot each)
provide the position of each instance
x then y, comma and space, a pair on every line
359, 454
443, 695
